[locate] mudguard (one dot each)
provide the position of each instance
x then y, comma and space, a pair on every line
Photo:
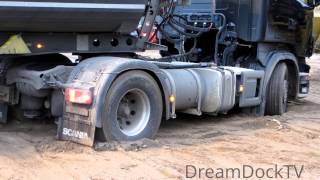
98, 73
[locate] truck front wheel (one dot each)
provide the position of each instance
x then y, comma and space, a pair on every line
133, 108
277, 94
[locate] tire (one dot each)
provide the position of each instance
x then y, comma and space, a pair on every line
133, 108
278, 88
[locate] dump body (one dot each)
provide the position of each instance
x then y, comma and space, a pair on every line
71, 16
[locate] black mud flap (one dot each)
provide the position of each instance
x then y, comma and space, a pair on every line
77, 126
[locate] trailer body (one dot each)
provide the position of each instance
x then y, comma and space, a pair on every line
217, 56
71, 16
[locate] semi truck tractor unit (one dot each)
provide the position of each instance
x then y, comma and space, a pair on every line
216, 55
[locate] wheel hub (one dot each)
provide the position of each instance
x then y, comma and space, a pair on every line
133, 112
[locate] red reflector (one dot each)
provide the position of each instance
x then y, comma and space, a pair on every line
78, 96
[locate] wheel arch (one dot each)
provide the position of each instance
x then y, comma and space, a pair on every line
105, 70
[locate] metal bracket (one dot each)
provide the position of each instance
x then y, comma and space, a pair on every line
151, 13
198, 80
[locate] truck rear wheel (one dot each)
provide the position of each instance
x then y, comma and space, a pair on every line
133, 108
277, 94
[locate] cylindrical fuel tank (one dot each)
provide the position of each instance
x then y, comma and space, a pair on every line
206, 90
185, 87
71, 15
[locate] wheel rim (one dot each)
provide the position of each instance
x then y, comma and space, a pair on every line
133, 112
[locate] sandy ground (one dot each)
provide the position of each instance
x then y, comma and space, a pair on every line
29, 150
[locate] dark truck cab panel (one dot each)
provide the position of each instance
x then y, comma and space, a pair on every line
249, 17
272, 21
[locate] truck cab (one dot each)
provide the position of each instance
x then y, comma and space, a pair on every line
217, 55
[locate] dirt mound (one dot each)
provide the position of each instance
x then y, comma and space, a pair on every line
127, 146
